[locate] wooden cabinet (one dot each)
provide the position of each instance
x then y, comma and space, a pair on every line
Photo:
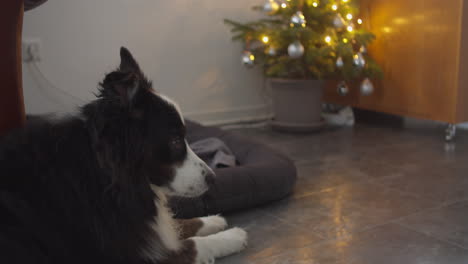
12, 114
422, 46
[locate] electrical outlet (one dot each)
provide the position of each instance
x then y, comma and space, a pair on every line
31, 50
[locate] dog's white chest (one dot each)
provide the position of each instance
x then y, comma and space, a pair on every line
165, 230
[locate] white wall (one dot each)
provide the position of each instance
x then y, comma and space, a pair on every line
182, 45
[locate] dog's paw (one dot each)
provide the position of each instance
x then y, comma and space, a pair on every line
220, 244
212, 225
234, 239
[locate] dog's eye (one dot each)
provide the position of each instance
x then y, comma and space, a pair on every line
176, 142
177, 146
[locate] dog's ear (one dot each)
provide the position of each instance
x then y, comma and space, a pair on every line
125, 82
121, 85
127, 62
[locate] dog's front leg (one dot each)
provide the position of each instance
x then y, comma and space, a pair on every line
204, 250
202, 226
219, 245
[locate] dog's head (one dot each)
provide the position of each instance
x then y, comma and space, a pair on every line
139, 135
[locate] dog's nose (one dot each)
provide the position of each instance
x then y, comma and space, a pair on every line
210, 178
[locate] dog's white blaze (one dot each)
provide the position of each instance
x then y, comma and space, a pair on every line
219, 245
165, 228
176, 106
189, 179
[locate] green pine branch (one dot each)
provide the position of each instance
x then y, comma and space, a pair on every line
322, 41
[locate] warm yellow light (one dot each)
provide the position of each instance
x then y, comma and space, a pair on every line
345, 40
350, 28
345, 1
252, 57
303, 25
314, 4
328, 39
265, 39
284, 5
349, 16
400, 21
335, 7
387, 29
359, 21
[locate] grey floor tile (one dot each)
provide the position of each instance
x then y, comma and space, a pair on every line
312, 150
439, 182
269, 235
364, 195
318, 177
389, 244
240, 258
347, 209
449, 223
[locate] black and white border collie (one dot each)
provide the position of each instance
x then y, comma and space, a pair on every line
92, 188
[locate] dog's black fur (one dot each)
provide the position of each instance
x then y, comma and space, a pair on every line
77, 190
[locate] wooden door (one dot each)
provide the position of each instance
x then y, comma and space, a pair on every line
418, 46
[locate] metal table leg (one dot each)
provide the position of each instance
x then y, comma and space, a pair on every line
450, 132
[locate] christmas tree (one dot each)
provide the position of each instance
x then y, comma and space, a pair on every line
308, 39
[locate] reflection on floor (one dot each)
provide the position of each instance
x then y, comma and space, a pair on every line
365, 195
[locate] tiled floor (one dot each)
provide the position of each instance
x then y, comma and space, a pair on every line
365, 195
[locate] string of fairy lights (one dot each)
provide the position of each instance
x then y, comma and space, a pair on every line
342, 22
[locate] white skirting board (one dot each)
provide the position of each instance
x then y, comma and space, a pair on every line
229, 116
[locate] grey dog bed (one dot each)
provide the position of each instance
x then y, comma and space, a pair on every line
263, 175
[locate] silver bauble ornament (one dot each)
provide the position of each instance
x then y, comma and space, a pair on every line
363, 49
298, 20
248, 59
367, 87
271, 51
358, 60
339, 22
283, 3
271, 7
295, 50
342, 89
339, 62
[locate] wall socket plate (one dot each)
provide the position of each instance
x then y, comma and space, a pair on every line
31, 50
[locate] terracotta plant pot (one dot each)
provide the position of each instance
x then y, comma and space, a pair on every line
297, 105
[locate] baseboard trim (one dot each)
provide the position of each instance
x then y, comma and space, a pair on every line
232, 116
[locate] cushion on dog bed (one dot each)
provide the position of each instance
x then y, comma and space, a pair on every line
263, 175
